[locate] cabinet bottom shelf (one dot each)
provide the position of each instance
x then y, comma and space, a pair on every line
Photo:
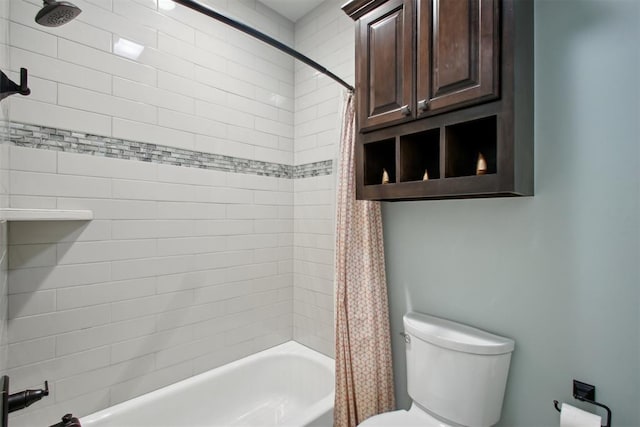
445, 188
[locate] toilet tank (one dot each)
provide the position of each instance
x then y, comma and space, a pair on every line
456, 372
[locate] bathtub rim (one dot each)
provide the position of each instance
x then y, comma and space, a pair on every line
316, 410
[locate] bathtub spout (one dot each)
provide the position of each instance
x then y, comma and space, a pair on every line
68, 421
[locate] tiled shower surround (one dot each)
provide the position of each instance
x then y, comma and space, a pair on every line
208, 163
181, 270
326, 35
4, 200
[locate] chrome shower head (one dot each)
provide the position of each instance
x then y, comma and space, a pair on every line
55, 13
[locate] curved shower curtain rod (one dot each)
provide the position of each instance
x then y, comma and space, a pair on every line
206, 10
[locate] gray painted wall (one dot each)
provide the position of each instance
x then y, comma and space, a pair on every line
558, 272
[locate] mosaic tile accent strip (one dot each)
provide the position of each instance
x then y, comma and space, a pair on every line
309, 170
46, 138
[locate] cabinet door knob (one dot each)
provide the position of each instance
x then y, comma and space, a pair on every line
422, 105
405, 111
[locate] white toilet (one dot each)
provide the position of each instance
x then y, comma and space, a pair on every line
456, 375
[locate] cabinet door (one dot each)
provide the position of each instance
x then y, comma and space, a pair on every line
384, 70
458, 53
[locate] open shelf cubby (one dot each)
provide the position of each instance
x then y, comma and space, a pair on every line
420, 152
379, 156
464, 144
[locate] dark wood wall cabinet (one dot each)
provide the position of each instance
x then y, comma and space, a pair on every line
444, 98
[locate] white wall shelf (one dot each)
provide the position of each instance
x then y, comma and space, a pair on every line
11, 214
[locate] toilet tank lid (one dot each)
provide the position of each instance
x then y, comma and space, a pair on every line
455, 336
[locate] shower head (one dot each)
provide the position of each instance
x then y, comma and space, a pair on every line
55, 13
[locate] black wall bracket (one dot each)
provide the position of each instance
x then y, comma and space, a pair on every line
586, 393
9, 87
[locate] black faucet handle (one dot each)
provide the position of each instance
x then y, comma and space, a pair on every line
9, 87
24, 87
22, 399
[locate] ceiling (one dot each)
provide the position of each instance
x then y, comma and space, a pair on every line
292, 9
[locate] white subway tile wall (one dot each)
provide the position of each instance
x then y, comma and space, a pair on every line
183, 268
169, 279
326, 34
4, 298
4, 191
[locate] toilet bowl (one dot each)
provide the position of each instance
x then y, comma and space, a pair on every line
456, 375
413, 417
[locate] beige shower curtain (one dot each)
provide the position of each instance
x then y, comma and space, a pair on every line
364, 377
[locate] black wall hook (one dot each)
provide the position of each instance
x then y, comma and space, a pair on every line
9, 87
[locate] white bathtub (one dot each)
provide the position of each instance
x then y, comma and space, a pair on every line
288, 385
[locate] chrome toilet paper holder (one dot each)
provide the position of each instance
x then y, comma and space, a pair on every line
586, 393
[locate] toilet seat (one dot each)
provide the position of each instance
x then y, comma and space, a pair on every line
412, 417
